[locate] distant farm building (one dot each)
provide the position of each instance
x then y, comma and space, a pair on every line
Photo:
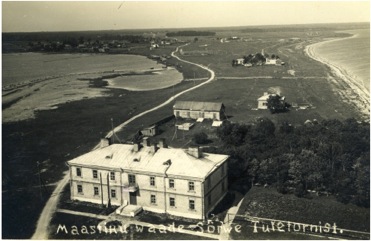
195, 110
269, 61
240, 61
263, 100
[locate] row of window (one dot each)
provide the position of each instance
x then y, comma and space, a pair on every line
95, 174
96, 191
132, 180
132, 177
191, 203
201, 114
153, 197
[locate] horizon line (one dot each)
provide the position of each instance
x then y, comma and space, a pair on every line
201, 27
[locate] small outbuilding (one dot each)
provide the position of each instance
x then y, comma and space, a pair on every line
150, 131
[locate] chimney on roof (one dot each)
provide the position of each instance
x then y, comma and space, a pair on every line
136, 147
154, 148
146, 141
104, 142
194, 151
162, 143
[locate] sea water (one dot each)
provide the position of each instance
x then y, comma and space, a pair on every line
350, 54
21, 67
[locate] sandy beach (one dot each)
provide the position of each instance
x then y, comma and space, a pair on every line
346, 85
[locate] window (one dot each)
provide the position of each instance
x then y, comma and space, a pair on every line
209, 200
172, 202
171, 183
153, 199
209, 183
96, 191
112, 176
223, 170
95, 174
78, 171
152, 181
223, 186
192, 204
131, 179
191, 186
79, 189
113, 193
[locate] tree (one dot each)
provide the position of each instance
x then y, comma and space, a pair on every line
200, 138
265, 126
252, 170
276, 105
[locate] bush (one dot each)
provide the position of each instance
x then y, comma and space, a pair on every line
299, 190
281, 188
200, 138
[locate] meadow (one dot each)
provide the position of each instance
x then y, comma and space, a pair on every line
267, 203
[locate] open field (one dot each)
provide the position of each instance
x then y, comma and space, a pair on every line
241, 104
58, 135
267, 203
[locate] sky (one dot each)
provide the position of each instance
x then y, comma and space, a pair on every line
94, 15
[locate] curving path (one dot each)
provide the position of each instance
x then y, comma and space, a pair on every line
51, 205
212, 77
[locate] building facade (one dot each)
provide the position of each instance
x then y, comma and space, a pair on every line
178, 182
195, 110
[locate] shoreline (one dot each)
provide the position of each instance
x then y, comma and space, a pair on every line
357, 94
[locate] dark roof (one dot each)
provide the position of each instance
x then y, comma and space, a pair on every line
196, 105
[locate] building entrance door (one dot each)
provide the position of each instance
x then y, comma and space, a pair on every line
133, 198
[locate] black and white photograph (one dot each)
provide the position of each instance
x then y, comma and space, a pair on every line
185, 120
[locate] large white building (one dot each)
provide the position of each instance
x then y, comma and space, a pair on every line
179, 182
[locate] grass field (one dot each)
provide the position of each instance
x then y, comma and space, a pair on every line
267, 203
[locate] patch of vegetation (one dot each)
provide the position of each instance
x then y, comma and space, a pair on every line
329, 157
267, 203
200, 138
276, 105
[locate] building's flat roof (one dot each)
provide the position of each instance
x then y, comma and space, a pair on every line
196, 105
123, 156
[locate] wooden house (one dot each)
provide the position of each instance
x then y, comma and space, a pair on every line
196, 109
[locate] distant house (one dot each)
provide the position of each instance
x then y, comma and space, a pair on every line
269, 61
239, 61
263, 100
181, 182
154, 46
195, 110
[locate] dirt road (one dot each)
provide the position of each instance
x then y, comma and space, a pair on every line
50, 207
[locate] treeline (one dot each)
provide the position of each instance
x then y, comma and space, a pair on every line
190, 33
331, 157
